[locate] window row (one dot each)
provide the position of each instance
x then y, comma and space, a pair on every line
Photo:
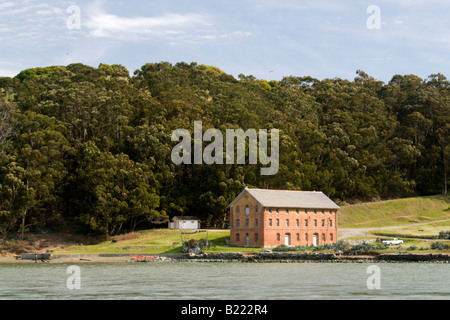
287, 223
287, 236
277, 211
297, 211
247, 209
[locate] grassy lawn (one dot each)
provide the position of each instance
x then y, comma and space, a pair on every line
157, 241
419, 231
395, 212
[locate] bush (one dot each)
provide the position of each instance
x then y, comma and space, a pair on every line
201, 244
284, 248
341, 245
439, 246
444, 235
369, 247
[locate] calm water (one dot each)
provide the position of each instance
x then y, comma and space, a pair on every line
225, 281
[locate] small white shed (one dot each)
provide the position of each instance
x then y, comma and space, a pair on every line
185, 223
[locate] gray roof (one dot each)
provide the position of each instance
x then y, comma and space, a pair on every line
185, 218
290, 199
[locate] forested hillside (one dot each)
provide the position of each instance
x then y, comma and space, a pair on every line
90, 148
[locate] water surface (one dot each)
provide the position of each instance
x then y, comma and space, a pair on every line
225, 281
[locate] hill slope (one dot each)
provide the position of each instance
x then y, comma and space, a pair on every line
395, 212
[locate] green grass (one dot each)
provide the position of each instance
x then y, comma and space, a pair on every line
157, 241
420, 231
395, 212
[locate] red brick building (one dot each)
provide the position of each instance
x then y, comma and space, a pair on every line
269, 218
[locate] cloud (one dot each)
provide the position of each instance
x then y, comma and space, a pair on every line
113, 26
172, 28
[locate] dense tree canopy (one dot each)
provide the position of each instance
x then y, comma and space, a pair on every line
91, 147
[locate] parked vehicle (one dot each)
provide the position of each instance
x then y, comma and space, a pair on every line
393, 241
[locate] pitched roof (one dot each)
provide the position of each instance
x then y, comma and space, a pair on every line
185, 218
289, 199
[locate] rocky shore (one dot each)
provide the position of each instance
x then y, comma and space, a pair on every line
315, 257
246, 257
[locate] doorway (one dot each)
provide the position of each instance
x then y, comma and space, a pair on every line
315, 239
287, 239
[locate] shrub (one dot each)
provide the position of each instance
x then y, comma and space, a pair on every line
201, 244
444, 235
341, 245
439, 246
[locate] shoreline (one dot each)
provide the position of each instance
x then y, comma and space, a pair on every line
234, 257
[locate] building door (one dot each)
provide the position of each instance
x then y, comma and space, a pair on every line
287, 239
247, 240
315, 239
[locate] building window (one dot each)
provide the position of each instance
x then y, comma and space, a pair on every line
315, 223
297, 211
256, 222
278, 237
306, 237
331, 237
270, 210
238, 237
237, 209
331, 212
323, 223
256, 237
287, 211
278, 222
315, 211
306, 223
246, 223
298, 237
297, 223
270, 222
306, 211
331, 223
323, 237
278, 211
256, 209
247, 210
238, 223
287, 223
323, 212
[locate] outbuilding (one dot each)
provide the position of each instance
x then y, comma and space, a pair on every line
185, 223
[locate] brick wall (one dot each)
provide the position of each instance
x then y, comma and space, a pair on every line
272, 226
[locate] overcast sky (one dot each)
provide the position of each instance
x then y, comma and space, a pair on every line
268, 39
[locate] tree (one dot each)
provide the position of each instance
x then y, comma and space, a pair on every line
122, 191
16, 197
7, 113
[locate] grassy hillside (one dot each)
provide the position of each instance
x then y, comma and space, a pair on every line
395, 212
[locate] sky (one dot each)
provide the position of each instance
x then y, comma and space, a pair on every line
269, 39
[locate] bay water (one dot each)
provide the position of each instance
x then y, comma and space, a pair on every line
225, 281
